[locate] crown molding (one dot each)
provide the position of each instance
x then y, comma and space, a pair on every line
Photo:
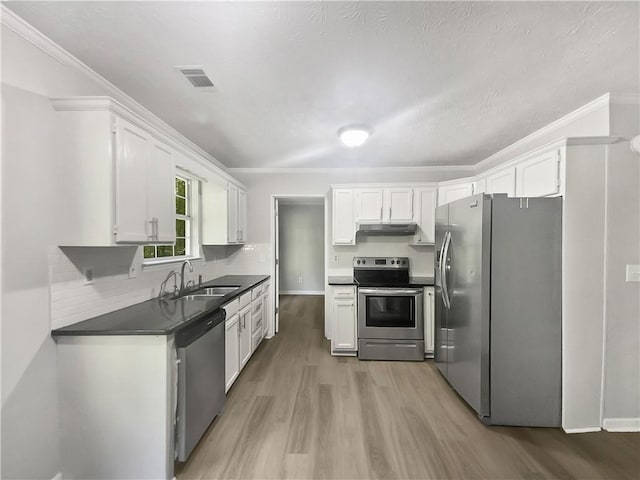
498, 158
27, 31
417, 169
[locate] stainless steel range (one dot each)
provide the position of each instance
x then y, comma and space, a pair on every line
390, 319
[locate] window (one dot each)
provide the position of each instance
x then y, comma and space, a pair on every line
185, 222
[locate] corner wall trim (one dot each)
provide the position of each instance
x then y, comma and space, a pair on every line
581, 430
621, 424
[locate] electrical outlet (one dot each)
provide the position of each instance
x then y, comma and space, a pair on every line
300, 279
633, 273
133, 271
335, 259
87, 273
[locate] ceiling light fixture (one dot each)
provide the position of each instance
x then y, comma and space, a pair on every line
354, 135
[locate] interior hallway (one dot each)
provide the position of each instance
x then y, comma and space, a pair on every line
297, 412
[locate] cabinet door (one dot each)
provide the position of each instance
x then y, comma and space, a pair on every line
450, 193
503, 181
245, 337
133, 148
266, 312
242, 216
480, 186
344, 324
398, 205
540, 175
232, 214
344, 227
425, 215
161, 206
428, 320
231, 351
369, 204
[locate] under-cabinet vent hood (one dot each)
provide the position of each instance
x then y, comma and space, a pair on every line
387, 228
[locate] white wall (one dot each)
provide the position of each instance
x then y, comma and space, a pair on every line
621, 399
30, 447
301, 248
42, 286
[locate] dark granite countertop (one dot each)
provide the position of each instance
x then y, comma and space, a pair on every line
161, 316
413, 281
341, 281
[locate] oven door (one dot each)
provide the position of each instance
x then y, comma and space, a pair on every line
394, 313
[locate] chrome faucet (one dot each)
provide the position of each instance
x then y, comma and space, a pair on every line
163, 285
184, 264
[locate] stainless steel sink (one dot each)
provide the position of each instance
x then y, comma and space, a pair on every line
210, 292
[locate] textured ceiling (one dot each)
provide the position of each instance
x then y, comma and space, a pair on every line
440, 83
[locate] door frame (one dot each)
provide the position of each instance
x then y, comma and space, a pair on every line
274, 325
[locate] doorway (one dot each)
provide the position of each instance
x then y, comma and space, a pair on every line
298, 234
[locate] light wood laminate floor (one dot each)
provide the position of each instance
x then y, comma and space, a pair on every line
297, 412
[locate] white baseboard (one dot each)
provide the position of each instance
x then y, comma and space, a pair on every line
302, 292
58, 476
621, 424
581, 430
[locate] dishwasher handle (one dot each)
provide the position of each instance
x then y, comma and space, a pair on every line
190, 334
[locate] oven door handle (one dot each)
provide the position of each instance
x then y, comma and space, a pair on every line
390, 292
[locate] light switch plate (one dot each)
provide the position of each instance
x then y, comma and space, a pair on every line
633, 273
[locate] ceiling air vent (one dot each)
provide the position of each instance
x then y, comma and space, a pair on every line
196, 77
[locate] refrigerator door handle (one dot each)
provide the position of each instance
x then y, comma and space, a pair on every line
443, 268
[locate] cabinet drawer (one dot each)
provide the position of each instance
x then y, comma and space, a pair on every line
256, 339
232, 307
245, 299
256, 307
344, 292
256, 323
256, 292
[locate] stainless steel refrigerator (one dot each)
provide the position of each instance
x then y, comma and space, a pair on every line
498, 328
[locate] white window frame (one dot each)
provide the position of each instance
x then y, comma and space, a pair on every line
192, 247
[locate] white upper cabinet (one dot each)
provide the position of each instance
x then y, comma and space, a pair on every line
398, 205
502, 181
450, 193
344, 225
117, 184
242, 216
425, 215
369, 204
160, 180
388, 205
539, 176
233, 232
224, 213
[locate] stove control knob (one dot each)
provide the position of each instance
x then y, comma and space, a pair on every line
404, 262
392, 262
358, 262
364, 261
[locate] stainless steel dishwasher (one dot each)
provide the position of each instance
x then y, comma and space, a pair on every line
201, 396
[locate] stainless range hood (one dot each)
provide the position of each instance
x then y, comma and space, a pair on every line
387, 228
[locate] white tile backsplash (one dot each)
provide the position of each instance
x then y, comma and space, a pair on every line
72, 301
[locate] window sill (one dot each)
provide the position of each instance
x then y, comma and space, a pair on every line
151, 265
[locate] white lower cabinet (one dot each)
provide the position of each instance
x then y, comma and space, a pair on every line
266, 310
244, 318
344, 335
231, 352
429, 320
